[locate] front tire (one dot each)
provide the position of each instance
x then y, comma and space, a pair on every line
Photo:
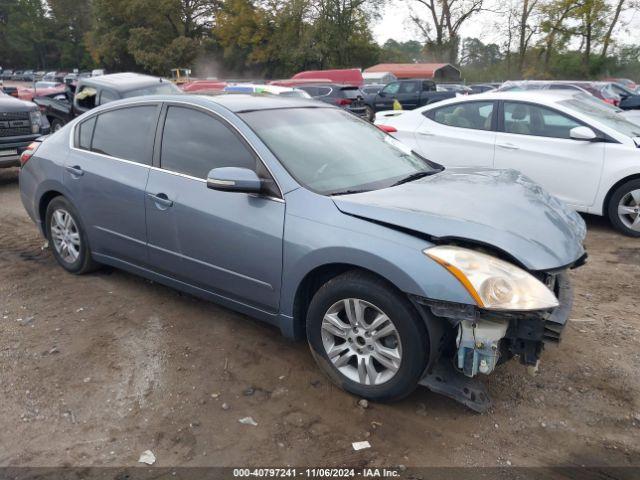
67, 237
371, 114
624, 208
367, 337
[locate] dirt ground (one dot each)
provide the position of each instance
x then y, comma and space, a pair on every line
98, 368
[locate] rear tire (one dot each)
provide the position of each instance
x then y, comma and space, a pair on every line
624, 208
56, 124
67, 237
373, 358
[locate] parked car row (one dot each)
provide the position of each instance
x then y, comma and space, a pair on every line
51, 76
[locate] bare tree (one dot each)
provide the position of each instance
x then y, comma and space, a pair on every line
441, 29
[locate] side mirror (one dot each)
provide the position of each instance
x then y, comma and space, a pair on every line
382, 94
583, 133
234, 179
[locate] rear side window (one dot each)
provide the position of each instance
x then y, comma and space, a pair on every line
107, 96
474, 115
194, 142
125, 133
409, 87
351, 93
85, 132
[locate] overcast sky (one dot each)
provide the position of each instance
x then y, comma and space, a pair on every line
395, 23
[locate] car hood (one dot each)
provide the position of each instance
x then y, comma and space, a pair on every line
499, 208
11, 104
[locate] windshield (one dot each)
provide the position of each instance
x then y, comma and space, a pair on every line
331, 151
164, 88
602, 113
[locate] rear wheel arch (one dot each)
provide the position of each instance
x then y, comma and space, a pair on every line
45, 200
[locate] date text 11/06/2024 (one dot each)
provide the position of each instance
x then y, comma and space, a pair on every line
317, 472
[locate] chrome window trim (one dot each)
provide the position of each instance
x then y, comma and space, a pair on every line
72, 138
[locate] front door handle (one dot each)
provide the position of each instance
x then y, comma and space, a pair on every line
161, 200
508, 146
75, 171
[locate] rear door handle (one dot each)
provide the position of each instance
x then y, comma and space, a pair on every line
76, 171
427, 134
161, 199
508, 146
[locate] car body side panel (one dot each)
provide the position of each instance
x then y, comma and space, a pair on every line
228, 243
110, 199
620, 162
317, 234
43, 173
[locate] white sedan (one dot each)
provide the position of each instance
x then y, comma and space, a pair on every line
575, 146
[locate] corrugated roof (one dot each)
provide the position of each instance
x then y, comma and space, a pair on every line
409, 70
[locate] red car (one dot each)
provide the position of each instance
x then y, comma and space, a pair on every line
196, 86
42, 89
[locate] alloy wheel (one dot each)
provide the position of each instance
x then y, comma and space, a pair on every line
361, 341
629, 210
65, 235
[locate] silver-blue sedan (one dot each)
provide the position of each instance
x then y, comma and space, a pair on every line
397, 271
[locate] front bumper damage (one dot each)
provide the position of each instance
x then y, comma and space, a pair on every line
480, 340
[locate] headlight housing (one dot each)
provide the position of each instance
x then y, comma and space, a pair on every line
35, 116
493, 283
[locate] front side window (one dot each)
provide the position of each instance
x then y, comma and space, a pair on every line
333, 152
527, 119
391, 89
123, 133
474, 115
194, 142
86, 97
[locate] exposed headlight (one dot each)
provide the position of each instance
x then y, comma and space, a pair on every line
35, 116
493, 283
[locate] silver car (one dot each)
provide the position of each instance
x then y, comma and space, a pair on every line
397, 271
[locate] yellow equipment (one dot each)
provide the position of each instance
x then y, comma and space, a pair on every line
180, 75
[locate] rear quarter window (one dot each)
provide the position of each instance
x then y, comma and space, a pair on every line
85, 133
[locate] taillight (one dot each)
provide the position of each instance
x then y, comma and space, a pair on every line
344, 101
387, 128
28, 153
610, 101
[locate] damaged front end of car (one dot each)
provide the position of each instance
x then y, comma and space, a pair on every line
472, 340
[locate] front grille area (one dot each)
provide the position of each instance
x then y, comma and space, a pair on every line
15, 132
13, 124
8, 116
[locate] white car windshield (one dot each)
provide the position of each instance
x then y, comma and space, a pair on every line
603, 114
333, 152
